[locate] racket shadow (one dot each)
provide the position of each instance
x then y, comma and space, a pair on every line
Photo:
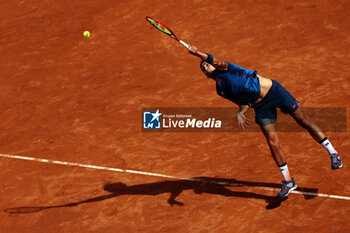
199, 185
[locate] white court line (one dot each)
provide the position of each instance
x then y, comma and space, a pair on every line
158, 175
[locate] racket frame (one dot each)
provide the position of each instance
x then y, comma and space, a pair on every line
172, 35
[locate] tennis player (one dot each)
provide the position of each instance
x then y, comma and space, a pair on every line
249, 90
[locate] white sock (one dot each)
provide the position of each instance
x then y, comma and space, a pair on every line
328, 146
285, 172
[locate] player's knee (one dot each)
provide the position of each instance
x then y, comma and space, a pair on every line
273, 141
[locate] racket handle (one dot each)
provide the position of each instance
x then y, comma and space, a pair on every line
184, 44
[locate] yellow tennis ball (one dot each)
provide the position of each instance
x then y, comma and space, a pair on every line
86, 34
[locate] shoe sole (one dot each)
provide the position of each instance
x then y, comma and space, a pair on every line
290, 190
335, 168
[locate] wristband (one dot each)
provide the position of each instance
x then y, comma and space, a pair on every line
210, 58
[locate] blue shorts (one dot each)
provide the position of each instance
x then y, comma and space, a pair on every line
277, 97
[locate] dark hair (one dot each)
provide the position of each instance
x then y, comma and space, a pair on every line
201, 65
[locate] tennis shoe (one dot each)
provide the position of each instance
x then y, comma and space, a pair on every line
336, 161
287, 187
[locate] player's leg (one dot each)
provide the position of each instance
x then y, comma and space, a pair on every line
304, 121
265, 116
270, 134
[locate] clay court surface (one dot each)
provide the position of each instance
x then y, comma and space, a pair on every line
69, 98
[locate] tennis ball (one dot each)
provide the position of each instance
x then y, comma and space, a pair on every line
86, 34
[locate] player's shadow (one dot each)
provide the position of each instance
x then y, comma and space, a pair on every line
215, 186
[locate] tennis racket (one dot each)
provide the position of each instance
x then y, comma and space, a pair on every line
163, 28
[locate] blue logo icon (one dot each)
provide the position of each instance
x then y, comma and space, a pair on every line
151, 120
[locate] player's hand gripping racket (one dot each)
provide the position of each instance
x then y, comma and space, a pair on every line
163, 28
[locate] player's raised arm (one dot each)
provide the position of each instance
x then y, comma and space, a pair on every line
218, 64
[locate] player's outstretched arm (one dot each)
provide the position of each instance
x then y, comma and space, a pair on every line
218, 64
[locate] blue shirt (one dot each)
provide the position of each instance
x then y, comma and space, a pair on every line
237, 84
